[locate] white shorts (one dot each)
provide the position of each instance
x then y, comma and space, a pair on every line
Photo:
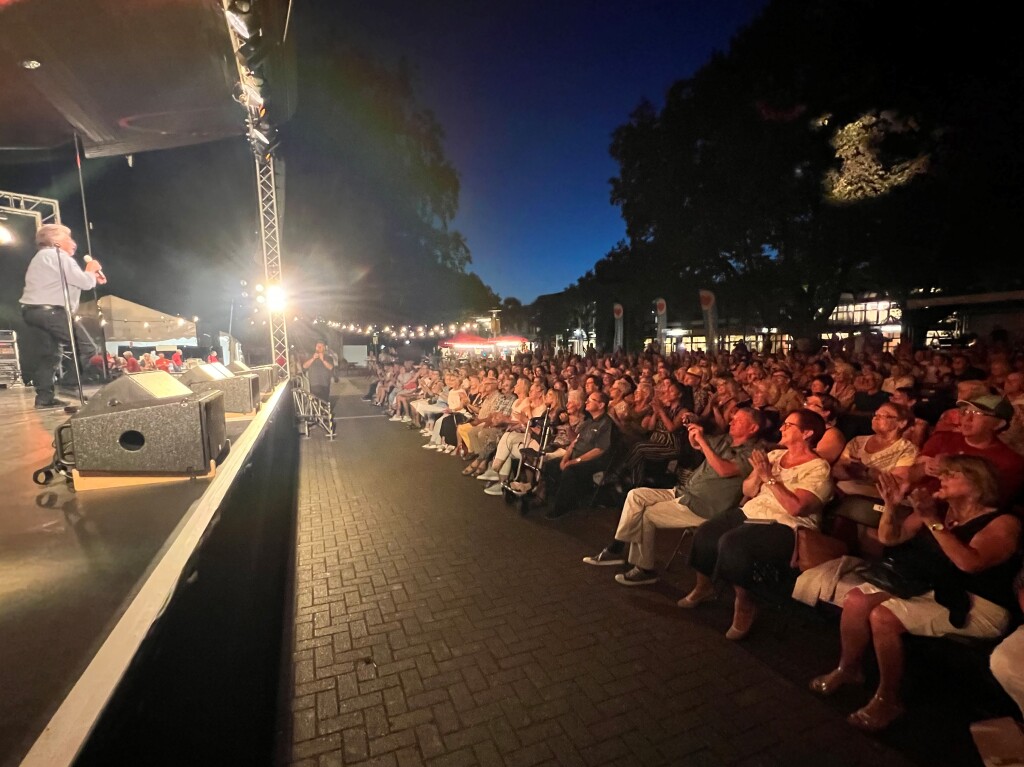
923, 616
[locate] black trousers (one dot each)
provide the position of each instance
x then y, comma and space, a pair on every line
727, 548
51, 325
571, 486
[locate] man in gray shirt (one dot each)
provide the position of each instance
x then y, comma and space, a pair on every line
42, 306
715, 486
319, 369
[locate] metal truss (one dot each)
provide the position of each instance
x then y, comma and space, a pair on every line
249, 96
310, 410
271, 243
43, 209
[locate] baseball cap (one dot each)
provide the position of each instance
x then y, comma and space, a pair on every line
990, 404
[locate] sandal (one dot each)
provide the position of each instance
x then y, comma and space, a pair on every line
468, 470
877, 715
829, 684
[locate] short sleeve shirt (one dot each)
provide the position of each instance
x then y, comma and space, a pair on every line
813, 476
707, 493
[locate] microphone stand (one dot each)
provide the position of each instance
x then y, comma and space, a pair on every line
71, 323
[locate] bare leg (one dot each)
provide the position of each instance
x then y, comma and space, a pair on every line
883, 709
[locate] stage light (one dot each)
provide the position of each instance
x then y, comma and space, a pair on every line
29, 64
275, 298
241, 18
6, 235
259, 288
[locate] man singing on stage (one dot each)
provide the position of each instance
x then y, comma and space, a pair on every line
42, 305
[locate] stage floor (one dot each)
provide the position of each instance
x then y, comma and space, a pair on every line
69, 563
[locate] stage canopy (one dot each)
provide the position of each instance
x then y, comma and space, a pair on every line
129, 75
130, 322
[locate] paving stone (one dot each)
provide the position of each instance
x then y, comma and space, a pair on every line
423, 635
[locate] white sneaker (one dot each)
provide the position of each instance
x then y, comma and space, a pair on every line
430, 446
425, 432
395, 418
406, 419
449, 449
490, 476
494, 489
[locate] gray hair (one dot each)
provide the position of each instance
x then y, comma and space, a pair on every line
48, 234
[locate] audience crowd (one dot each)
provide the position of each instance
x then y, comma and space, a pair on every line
752, 454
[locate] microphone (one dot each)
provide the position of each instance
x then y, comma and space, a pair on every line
99, 272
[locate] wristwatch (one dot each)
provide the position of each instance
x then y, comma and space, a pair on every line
936, 526
771, 481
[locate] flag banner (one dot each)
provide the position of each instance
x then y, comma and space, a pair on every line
709, 307
661, 321
617, 314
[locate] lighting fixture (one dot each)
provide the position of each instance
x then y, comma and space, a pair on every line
241, 18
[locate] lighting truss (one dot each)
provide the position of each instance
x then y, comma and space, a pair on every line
43, 209
266, 185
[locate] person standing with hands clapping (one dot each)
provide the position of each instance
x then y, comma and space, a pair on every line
43, 307
319, 371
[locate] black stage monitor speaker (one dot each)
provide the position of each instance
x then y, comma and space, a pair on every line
267, 374
241, 392
149, 423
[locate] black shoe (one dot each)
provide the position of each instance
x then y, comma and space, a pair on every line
51, 403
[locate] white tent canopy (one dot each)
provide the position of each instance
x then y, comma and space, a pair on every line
125, 321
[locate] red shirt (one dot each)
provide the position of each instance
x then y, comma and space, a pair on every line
1009, 465
176, 359
162, 363
132, 365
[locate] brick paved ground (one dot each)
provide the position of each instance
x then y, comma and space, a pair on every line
434, 625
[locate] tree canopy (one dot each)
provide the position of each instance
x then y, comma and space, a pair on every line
835, 147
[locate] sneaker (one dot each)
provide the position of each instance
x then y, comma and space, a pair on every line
405, 419
425, 432
396, 418
490, 476
430, 446
47, 404
494, 488
636, 577
605, 558
448, 449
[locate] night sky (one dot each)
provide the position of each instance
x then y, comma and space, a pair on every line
529, 94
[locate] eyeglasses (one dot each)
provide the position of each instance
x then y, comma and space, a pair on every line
784, 424
971, 412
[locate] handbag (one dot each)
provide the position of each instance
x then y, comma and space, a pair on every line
812, 548
888, 575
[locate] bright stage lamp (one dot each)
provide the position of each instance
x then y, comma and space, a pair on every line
275, 298
6, 235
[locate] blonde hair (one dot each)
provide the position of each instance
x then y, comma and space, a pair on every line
48, 234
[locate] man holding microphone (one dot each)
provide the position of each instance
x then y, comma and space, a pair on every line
42, 305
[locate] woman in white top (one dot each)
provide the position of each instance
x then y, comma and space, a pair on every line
787, 489
886, 449
509, 444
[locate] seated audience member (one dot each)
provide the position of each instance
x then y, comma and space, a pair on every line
843, 388
831, 445
964, 556
918, 431
886, 449
666, 425
965, 370
869, 394
714, 487
981, 420
949, 415
787, 489
131, 365
729, 397
821, 384
787, 398
620, 409
162, 363
568, 481
511, 442
761, 401
483, 433
694, 378
899, 377
1007, 661
1013, 390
